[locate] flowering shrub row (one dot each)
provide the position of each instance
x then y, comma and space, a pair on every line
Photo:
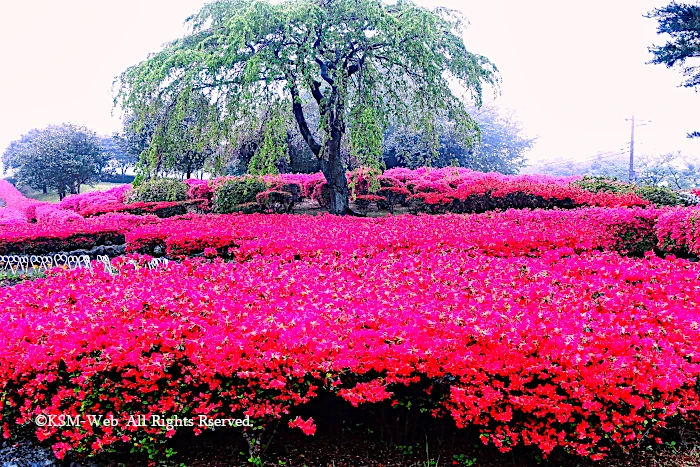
633, 231
582, 352
454, 190
20, 210
520, 232
462, 190
41, 238
16, 205
434, 191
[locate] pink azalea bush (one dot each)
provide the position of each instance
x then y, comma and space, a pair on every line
9, 216
678, 229
95, 199
50, 213
199, 189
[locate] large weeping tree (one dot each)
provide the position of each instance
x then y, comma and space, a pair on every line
362, 64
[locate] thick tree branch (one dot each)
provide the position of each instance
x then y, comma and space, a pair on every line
298, 111
238, 81
315, 87
352, 69
324, 71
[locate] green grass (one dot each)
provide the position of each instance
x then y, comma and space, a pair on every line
52, 197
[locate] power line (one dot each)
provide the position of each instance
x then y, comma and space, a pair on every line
631, 173
616, 152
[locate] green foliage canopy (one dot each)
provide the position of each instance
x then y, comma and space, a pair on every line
682, 22
58, 157
363, 63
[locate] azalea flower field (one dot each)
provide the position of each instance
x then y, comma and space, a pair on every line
564, 329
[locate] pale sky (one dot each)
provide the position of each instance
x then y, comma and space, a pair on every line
572, 72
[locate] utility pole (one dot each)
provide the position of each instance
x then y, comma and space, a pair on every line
632, 175
632, 153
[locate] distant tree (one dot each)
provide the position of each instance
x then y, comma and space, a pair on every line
118, 157
616, 166
15, 153
136, 136
682, 22
503, 145
501, 148
362, 61
601, 165
59, 157
180, 145
673, 170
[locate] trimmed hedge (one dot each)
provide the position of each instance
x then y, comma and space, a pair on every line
160, 190
659, 195
231, 195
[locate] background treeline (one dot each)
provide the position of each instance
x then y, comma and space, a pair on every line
61, 158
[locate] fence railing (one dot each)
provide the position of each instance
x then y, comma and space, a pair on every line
35, 264
152, 264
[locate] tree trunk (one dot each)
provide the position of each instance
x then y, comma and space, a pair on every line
189, 173
44, 189
331, 163
333, 170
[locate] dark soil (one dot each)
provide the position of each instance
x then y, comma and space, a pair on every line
308, 206
365, 450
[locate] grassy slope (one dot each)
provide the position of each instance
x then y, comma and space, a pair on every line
52, 197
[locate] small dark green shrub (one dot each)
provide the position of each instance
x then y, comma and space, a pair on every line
292, 188
393, 196
159, 190
231, 194
249, 208
597, 184
659, 195
279, 202
322, 194
363, 202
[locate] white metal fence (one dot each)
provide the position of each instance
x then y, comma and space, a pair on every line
35, 265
